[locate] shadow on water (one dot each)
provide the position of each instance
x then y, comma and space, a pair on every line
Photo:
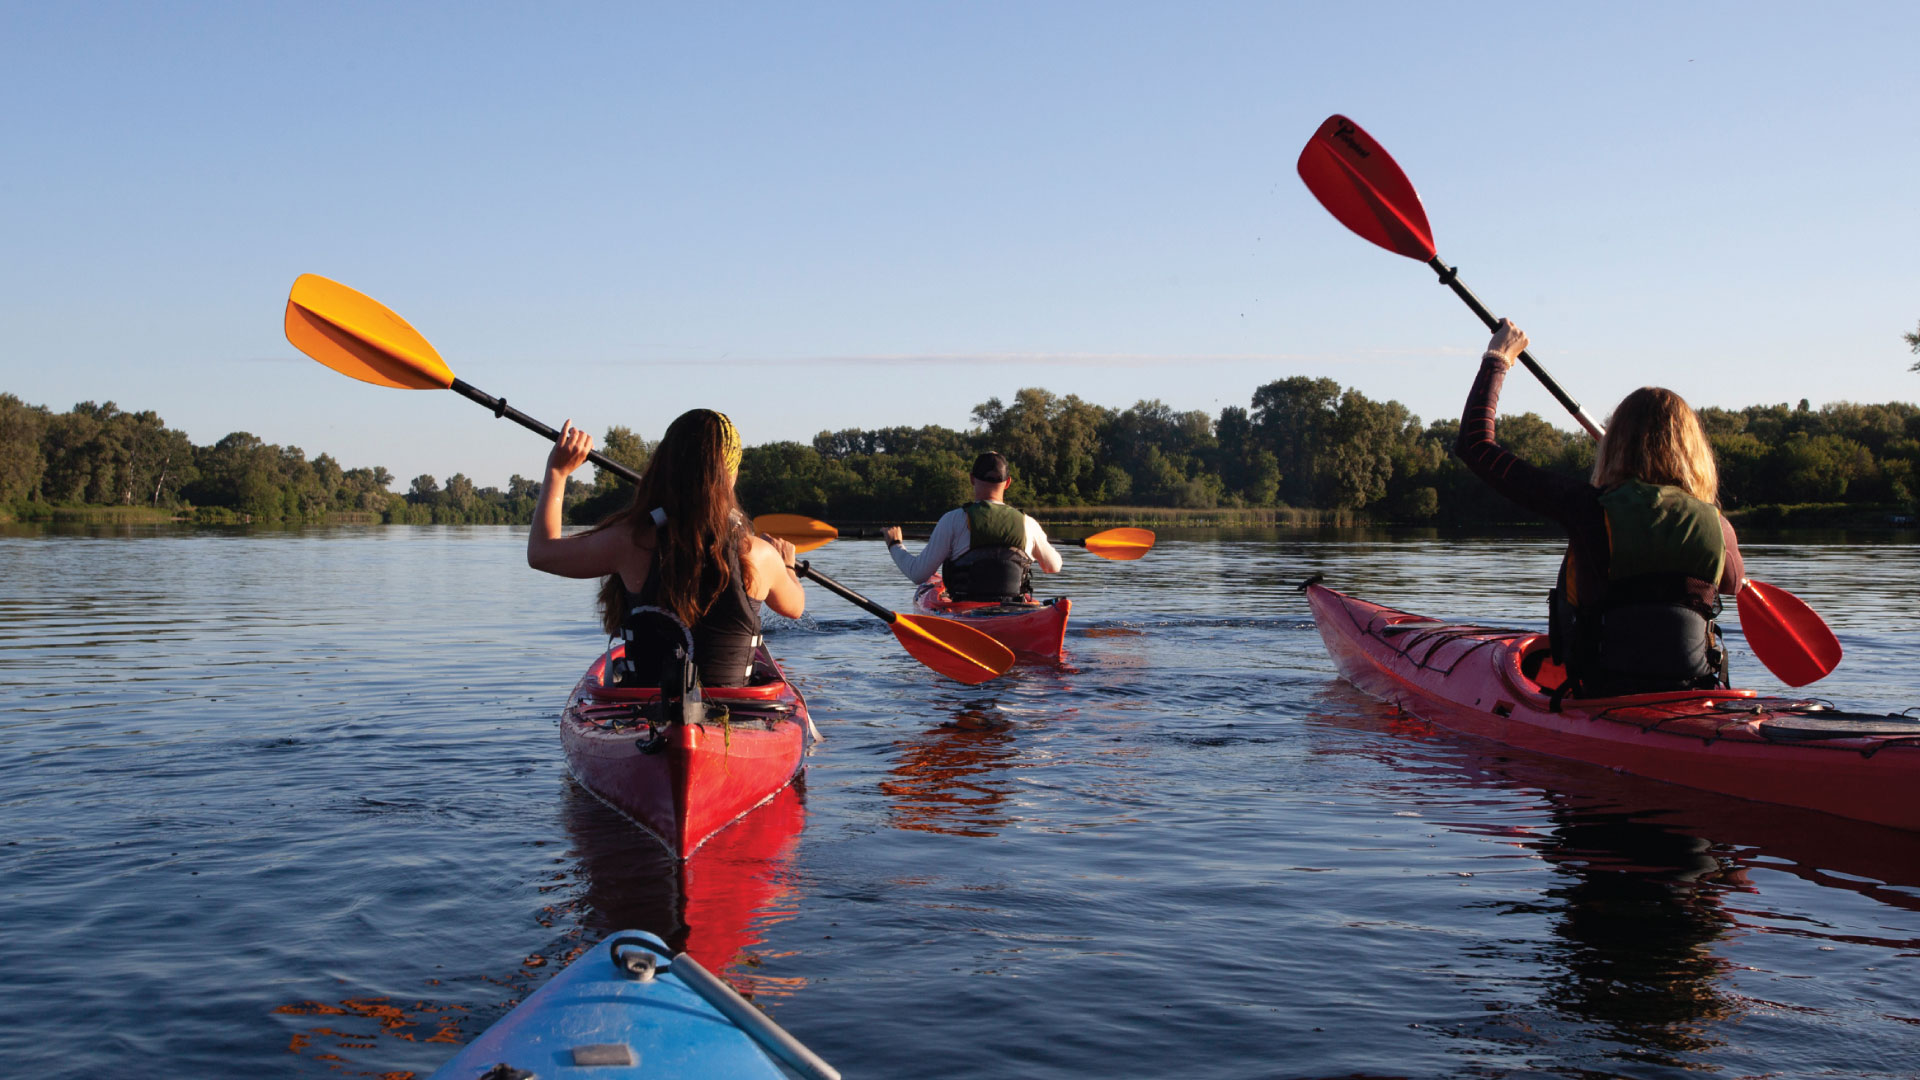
1651, 876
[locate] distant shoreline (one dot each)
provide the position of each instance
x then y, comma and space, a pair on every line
1780, 516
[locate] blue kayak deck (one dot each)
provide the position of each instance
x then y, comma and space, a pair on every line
619, 1011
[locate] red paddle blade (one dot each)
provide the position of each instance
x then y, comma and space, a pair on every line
953, 649
1358, 183
1786, 635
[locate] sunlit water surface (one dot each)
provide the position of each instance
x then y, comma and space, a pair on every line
293, 804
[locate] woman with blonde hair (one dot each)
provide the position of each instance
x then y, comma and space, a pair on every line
1648, 552
680, 563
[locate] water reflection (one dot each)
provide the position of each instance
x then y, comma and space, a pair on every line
950, 779
1637, 920
720, 905
1648, 875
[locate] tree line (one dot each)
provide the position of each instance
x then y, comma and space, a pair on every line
1310, 443
98, 455
1300, 442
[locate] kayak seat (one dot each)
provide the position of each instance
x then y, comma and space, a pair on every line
764, 672
1538, 665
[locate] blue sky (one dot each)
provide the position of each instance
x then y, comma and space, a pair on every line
837, 215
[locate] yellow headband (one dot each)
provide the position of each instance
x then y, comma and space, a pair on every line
730, 441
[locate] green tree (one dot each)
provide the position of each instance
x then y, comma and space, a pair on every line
1290, 418
1742, 461
1053, 443
939, 482
1165, 453
1420, 504
22, 465
70, 447
1363, 438
460, 494
625, 447
1818, 468
240, 473
1262, 485
366, 489
791, 477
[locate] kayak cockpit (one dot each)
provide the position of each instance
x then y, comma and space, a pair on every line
1526, 664
1537, 665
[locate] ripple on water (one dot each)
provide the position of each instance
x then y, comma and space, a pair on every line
308, 816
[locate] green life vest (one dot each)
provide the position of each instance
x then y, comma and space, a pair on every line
1652, 632
1662, 530
992, 524
995, 568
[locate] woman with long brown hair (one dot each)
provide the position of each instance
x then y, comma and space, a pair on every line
682, 550
1648, 552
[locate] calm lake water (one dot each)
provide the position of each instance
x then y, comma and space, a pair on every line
293, 804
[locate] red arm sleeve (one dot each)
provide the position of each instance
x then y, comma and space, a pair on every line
1735, 568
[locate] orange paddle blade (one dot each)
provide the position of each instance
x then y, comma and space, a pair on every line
1122, 545
356, 335
1786, 635
804, 533
952, 648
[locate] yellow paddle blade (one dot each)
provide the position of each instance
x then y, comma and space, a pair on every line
951, 648
1123, 545
356, 335
804, 533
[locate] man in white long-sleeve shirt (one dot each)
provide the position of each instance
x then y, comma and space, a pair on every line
984, 550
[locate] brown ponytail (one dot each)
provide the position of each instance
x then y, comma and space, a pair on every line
689, 478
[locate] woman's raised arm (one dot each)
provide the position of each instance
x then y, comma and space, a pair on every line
582, 555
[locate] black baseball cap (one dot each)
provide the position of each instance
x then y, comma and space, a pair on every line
990, 467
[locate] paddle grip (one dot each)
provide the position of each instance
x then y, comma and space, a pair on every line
805, 569
500, 408
1450, 277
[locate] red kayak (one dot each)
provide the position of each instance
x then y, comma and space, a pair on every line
684, 782
1035, 628
1496, 684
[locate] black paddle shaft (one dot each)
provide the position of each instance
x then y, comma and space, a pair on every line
869, 534
806, 570
500, 408
1450, 277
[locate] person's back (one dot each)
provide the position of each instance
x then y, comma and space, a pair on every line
1648, 551
984, 550
1651, 627
682, 571
995, 566
724, 635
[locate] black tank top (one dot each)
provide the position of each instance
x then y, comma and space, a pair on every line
727, 637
